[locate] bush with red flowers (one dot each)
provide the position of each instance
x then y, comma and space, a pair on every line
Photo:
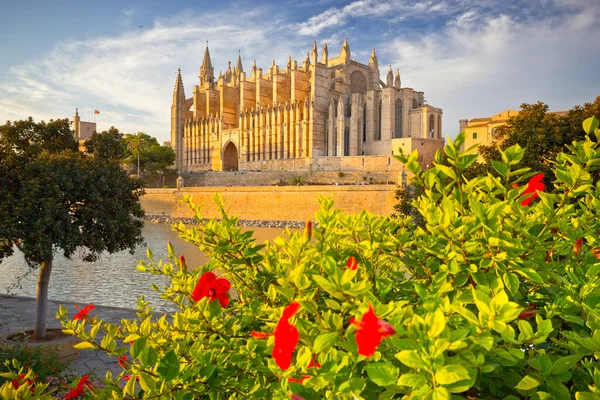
497, 296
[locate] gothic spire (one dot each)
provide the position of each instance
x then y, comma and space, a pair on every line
178, 91
325, 55
345, 53
373, 60
390, 77
207, 72
238, 65
397, 79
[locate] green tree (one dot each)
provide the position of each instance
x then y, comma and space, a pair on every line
54, 198
136, 144
107, 144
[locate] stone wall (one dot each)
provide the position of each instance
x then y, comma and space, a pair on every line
287, 203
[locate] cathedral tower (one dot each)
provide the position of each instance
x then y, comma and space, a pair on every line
177, 117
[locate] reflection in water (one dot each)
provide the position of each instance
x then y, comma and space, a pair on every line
112, 280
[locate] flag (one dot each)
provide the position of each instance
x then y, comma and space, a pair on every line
96, 112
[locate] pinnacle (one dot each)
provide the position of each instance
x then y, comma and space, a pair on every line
238, 66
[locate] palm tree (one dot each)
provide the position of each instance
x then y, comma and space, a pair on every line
136, 144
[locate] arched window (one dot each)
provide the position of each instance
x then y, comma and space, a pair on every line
415, 104
398, 131
364, 132
439, 126
378, 137
431, 125
346, 141
335, 107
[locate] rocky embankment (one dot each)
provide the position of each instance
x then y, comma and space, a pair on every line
165, 219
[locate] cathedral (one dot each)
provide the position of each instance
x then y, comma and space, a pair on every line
329, 113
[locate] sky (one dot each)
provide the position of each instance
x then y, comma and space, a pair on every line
472, 58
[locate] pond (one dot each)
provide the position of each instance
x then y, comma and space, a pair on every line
113, 280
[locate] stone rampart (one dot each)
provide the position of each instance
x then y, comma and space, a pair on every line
284, 203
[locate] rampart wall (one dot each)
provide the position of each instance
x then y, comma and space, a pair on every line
266, 203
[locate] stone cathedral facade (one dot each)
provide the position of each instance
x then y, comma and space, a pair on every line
327, 113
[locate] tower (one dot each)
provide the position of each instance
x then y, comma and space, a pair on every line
177, 117
76, 123
207, 72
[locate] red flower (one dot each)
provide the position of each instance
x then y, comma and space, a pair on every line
314, 363
371, 330
16, 383
296, 397
210, 286
352, 263
78, 391
534, 185
260, 335
83, 313
596, 252
286, 337
577, 246
123, 361
528, 313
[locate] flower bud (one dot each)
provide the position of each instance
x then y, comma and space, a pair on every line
170, 248
352, 264
577, 246
596, 252
182, 263
308, 230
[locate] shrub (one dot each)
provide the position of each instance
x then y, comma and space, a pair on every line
340, 174
497, 296
44, 360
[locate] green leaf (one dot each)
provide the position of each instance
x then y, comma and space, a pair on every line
565, 363
129, 387
148, 357
586, 396
440, 393
451, 373
513, 155
84, 346
512, 282
324, 341
531, 275
449, 172
168, 367
500, 167
147, 382
529, 382
382, 374
412, 380
437, 323
410, 358
590, 125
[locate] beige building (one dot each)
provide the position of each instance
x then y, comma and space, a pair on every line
482, 131
83, 130
326, 113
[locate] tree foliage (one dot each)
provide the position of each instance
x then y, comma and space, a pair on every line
54, 198
491, 299
153, 158
107, 145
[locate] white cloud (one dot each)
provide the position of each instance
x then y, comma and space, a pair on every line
130, 77
478, 66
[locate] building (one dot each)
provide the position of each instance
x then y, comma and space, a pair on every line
482, 131
328, 113
83, 130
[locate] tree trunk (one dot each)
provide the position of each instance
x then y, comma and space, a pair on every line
41, 304
138, 162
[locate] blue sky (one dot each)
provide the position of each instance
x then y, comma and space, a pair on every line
472, 58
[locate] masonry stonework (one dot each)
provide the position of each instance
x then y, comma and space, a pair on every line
333, 108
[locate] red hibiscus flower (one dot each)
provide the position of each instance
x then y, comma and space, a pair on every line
286, 337
371, 330
352, 263
84, 312
296, 397
16, 383
123, 362
577, 246
528, 313
78, 391
596, 252
534, 185
210, 286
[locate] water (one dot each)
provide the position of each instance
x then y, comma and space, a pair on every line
112, 280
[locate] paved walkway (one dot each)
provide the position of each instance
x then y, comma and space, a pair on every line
17, 313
